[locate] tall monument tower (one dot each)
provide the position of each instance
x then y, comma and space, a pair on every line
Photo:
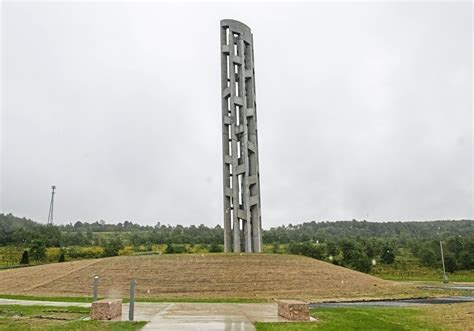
242, 215
51, 206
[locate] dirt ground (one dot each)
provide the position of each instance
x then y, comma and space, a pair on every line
201, 276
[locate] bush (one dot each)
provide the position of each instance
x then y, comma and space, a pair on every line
215, 248
25, 258
175, 249
354, 257
388, 255
467, 260
428, 258
38, 250
315, 251
85, 252
450, 262
61, 257
127, 250
112, 247
361, 263
276, 248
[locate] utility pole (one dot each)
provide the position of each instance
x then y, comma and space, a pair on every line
445, 278
51, 206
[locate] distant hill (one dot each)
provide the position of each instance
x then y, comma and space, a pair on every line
353, 244
351, 229
15, 230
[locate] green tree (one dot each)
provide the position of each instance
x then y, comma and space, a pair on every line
332, 249
175, 249
215, 248
113, 246
353, 256
276, 248
316, 251
450, 262
169, 249
388, 255
38, 250
427, 257
466, 260
61, 257
25, 258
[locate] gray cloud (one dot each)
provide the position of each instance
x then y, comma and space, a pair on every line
365, 110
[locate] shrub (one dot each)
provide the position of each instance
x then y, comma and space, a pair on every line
450, 262
127, 250
52, 254
112, 247
85, 252
428, 257
388, 255
276, 248
25, 258
354, 257
215, 248
175, 249
315, 251
61, 257
38, 250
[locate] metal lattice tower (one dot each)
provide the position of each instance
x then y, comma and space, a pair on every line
51, 206
242, 213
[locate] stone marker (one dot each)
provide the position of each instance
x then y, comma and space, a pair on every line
107, 309
293, 310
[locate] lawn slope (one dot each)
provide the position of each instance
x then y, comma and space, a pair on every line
200, 277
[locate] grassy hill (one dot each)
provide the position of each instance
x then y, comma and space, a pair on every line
199, 277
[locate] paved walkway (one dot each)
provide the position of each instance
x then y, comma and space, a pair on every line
186, 316
43, 303
203, 316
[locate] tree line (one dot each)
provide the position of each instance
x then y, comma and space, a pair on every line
354, 244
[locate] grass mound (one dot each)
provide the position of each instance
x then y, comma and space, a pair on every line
256, 277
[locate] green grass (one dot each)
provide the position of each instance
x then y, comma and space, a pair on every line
17, 317
335, 319
427, 275
44, 298
126, 300
409, 268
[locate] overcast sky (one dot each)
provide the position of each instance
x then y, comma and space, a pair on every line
364, 110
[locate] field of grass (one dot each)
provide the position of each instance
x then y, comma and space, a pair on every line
433, 317
415, 272
15, 317
409, 268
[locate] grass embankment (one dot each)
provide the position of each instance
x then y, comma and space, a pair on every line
200, 277
433, 317
15, 317
204, 278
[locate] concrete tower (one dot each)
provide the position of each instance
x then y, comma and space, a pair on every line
242, 216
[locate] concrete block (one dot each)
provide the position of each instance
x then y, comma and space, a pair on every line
293, 310
107, 309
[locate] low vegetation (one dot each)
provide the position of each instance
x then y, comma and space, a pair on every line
394, 250
432, 317
48, 318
